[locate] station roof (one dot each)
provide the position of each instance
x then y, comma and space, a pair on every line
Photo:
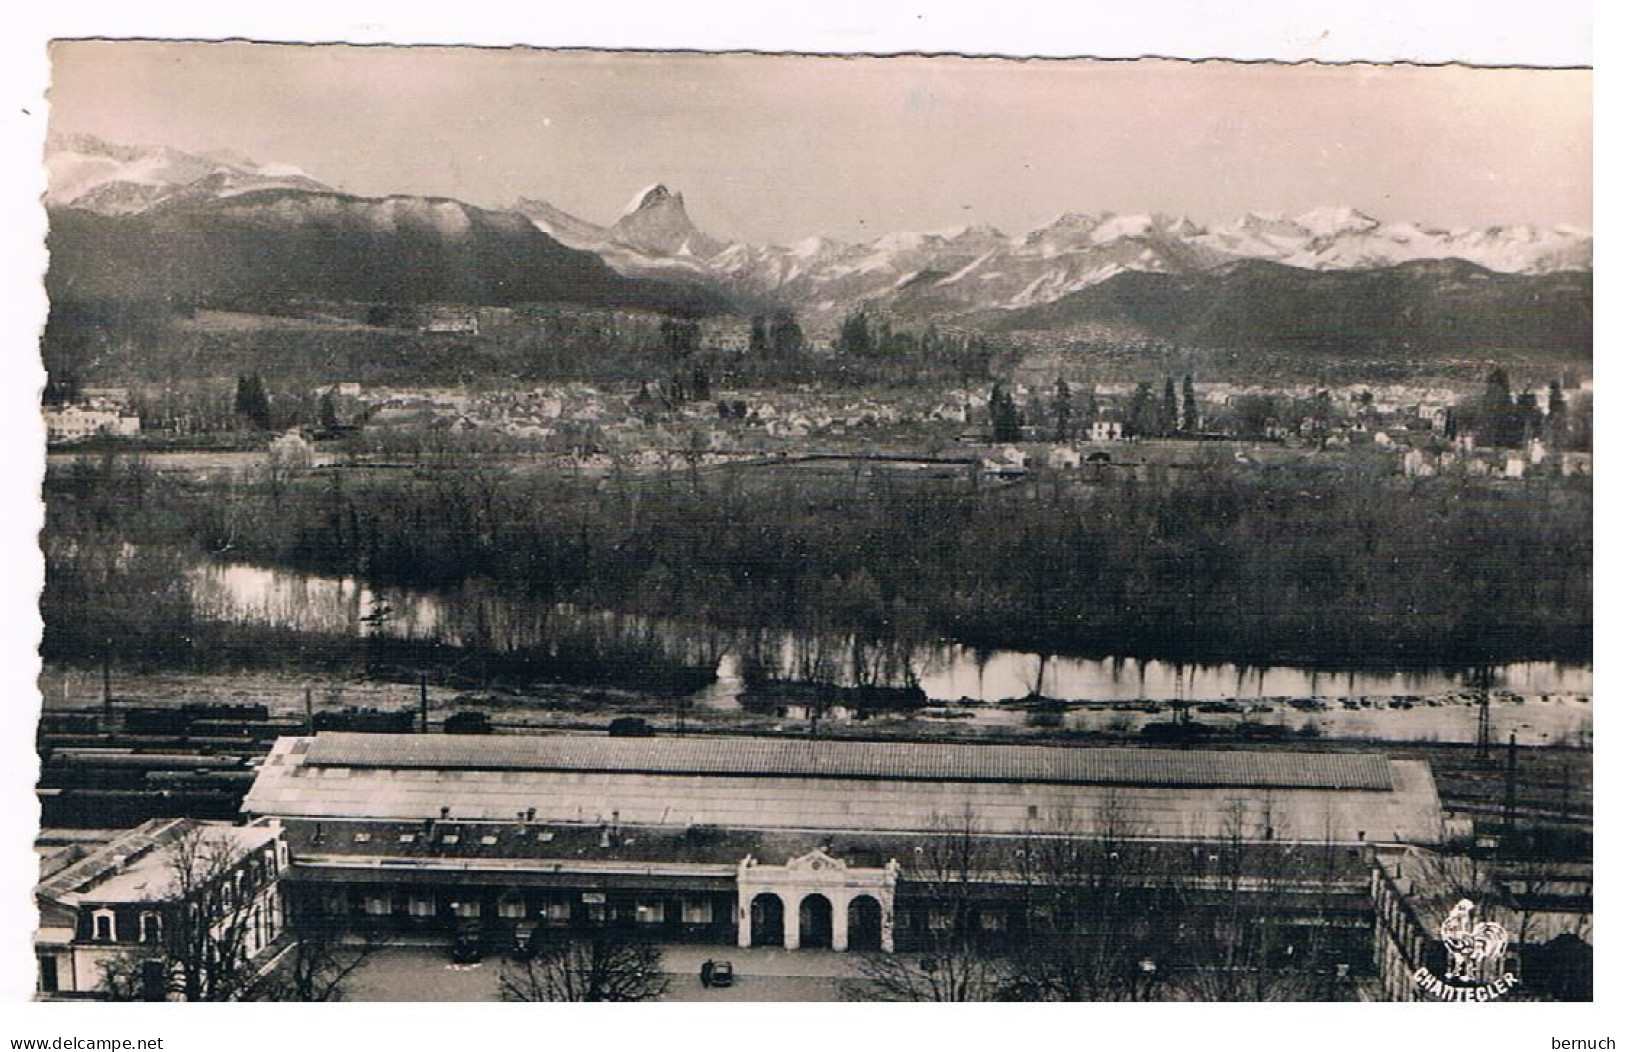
765, 783
904, 761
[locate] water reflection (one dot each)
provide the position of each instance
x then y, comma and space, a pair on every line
946, 672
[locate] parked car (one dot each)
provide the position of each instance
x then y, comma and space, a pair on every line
722, 973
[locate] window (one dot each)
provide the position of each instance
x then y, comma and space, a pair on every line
152, 928
407, 838
488, 840
48, 980
449, 839
377, 906
511, 907
362, 838
558, 912
651, 913
940, 920
420, 906
992, 920
697, 911
103, 926
467, 909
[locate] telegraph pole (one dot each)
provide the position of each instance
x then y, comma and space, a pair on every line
1509, 814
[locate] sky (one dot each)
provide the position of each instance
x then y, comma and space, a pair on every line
772, 149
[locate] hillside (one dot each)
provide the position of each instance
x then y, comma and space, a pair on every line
276, 244
1423, 308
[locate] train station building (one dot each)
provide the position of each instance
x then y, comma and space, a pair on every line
795, 843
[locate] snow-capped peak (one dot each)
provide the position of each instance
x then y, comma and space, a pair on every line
1328, 221
651, 196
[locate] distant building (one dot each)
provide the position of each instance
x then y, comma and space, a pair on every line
1063, 457
119, 896
292, 450
1106, 429
450, 322
76, 423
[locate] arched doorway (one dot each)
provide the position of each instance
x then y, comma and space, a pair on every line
817, 922
863, 923
767, 920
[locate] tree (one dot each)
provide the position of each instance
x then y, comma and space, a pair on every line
318, 965
952, 960
205, 918
1192, 420
252, 403
1099, 911
605, 965
1500, 425
758, 333
785, 334
1142, 412
328, 413
1061, 412
854, 338
1167, 409
1005, 417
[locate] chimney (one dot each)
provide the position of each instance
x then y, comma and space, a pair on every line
445, 813
603, 836
530, 814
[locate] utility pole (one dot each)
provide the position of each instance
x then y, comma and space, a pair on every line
1483, 677
107, 681
310, 712
423, 700
1509, 814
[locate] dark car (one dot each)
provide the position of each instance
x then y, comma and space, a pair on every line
722, 973
466, 944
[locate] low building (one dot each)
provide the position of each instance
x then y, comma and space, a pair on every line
793, 843
119, 897
73, 423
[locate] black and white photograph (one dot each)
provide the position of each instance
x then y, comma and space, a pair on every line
539, 524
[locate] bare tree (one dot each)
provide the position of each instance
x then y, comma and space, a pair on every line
204, 922
606, 965
317, 965
953, 959
1099, 910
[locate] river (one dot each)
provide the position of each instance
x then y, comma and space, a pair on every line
947, 672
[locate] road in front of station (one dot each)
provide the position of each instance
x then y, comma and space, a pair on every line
426, 973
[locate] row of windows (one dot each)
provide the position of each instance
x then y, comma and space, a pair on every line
555, 910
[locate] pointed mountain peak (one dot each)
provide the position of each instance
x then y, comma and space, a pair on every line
652, 198
656, 221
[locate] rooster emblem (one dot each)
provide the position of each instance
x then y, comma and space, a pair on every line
1471, 946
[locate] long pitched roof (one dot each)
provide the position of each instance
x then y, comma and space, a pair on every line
885, 761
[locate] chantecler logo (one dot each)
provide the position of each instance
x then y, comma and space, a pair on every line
1474, 952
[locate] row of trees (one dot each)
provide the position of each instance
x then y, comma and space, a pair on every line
1113, 916
1065, 417
1308, 569
1498, 418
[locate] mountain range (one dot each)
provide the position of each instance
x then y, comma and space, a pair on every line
153, 225
134, 221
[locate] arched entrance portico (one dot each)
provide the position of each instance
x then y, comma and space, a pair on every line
817, 922
863, 923
813, 896
766, 920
